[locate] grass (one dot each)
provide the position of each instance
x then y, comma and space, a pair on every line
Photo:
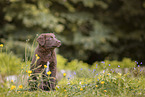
86, 82
103, 84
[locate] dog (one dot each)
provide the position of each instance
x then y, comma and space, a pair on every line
44, 55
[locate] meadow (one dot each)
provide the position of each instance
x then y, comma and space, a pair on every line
106, 78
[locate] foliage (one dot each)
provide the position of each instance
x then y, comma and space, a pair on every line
10, 64
61, 62
87, 80
125, 63
90, 30
77, 65
103, 84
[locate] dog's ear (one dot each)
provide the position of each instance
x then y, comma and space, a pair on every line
41, 40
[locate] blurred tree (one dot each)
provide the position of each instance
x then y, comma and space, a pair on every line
90, 30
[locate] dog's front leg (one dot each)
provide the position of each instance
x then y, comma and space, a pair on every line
53, 75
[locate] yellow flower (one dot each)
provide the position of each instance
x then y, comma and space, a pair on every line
105, 90
119, 74
108, 74
1, 45
64, 74
26, 70
102, 82
29, 71
81, 89
12, 81
20, 86
96, 85
65, 90
45, 66
36, 55
13, 87
49, 72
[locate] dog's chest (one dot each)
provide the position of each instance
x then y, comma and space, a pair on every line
46, 57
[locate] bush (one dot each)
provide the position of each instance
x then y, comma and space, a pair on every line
61, 62
125, 63
9, 64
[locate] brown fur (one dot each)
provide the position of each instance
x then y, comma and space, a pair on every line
46, 51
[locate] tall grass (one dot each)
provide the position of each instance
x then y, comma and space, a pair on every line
100, 79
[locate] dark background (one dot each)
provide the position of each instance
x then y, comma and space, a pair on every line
90, 30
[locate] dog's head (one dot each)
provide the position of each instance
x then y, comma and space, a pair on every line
48, 40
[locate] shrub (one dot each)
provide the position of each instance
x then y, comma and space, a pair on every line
125, 63
61, 62
9, 64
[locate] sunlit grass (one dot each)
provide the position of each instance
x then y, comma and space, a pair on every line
103, 84
87, 81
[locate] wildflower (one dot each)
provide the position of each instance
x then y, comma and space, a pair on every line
68, 83
96, 85
1, 45
81, 69
20, 86
49, 72
103, 71
81, 89
26, 70
109, 64
137, 65
37, 57
96, 65
140, 62
13, 87
118, 66
45, 66
108, 74
65, 90
105, 90
102, 82
119, 74
102, 62
12, 81
29, 71
57, 87
64, 74
74, 73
